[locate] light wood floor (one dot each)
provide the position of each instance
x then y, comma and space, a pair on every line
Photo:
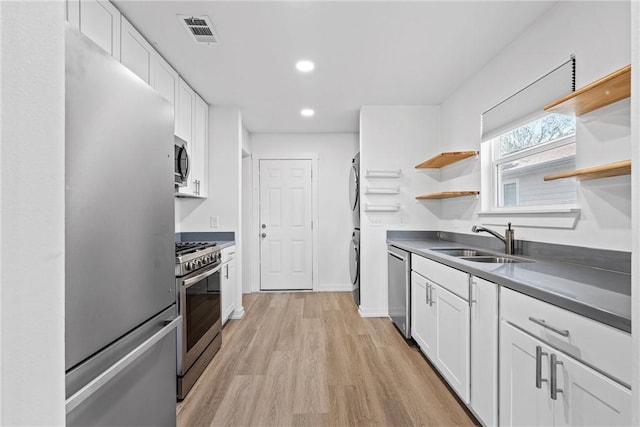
309, 359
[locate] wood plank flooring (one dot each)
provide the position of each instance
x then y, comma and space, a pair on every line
309, 359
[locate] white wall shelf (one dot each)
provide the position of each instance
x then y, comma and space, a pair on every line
382, 208
383, 190
383, 173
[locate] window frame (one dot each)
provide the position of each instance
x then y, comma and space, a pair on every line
495, 162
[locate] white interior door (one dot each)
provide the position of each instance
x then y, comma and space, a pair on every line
286, 225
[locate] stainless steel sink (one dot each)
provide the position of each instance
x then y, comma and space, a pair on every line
495, 259
461, 252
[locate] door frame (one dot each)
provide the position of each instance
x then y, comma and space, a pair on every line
313, 157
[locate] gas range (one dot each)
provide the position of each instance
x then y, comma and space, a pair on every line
192, 256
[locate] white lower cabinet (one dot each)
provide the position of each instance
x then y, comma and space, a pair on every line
452, 339
423, 320
440, 326
484, 350
228, 285
541, 386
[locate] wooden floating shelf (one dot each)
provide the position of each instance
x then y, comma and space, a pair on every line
609, 89
445, 159
447, 194
596, 172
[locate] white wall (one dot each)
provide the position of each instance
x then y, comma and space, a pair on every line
394, 137
335, 152
32, 214
598, 33
224, 184
247, 213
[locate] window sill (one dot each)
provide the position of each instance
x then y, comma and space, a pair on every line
564, 218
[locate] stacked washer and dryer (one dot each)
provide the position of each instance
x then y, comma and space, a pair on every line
354, 251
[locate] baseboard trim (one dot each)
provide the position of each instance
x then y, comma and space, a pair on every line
334, 288
373, 312
237, 314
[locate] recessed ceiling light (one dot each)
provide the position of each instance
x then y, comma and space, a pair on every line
305, 66
307, 112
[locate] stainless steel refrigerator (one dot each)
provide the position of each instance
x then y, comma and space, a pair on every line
120, 313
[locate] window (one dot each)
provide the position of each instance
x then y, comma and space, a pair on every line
521, 157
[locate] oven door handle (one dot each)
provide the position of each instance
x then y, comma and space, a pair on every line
193, 280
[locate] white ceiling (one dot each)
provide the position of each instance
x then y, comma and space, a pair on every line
366, 53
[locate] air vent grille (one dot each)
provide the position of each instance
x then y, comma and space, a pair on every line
200, 28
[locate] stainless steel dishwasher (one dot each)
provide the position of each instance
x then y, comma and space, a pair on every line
399, 289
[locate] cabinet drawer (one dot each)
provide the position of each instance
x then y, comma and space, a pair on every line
606, 349
228, 253
449, 278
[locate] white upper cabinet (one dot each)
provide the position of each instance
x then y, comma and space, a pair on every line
192, 126
184, 112
99, 20
136, 53
165, 80
200, 146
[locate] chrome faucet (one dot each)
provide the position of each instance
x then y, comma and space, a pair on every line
508, 239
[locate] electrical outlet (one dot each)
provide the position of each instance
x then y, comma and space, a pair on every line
213, 221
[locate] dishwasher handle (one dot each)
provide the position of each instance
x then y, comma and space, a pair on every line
393, 254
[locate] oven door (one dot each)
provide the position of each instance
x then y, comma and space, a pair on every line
199, 304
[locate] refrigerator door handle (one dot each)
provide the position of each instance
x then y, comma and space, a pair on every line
85, 392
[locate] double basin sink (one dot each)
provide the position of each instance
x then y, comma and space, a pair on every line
479, 256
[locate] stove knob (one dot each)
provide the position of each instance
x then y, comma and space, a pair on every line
187, 266
199, 263
192, 265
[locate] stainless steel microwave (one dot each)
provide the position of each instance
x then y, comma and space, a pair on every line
181, 168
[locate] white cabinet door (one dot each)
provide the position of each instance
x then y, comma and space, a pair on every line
452, 346
184, 113
521, 402
200, 147
99, 20
165, 79
422, 316
228, 288
136, 53
588, 398
484, 350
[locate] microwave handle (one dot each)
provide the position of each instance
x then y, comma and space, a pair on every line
193, 280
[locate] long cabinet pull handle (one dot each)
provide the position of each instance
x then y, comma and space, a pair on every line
431, 295
94, 385
541, 322
554, 377
539, 379
426, 294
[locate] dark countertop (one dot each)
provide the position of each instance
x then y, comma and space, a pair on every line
597, 293
225, 243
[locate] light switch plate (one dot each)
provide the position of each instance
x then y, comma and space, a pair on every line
213, 221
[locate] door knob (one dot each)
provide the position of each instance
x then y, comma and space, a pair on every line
264, 234
264, 225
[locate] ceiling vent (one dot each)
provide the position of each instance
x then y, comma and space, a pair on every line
200, 28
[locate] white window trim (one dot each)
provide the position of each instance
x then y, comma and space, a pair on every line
562, 216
